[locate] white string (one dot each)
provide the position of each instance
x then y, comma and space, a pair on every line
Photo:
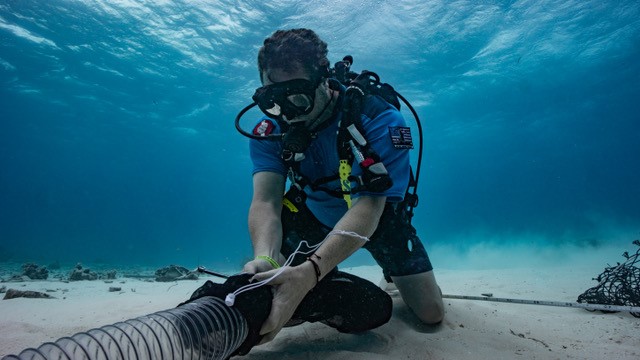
230, 299
347, 233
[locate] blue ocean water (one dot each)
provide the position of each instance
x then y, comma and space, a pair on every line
118, 143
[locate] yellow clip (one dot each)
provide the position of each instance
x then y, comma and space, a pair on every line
289, 205
345, 172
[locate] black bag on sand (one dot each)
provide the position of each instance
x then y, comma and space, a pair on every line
343, 301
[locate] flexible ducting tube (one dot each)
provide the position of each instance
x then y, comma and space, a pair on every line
205, 328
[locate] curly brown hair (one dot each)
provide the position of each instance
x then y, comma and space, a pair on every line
287, 49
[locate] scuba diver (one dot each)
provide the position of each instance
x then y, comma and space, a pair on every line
345, 154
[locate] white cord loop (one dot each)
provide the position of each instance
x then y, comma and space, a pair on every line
230, 299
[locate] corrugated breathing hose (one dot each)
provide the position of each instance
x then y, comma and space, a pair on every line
205, 328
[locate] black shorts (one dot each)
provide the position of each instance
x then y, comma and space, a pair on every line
394, 245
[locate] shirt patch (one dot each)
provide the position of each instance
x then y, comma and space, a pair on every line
401, 137
264, 128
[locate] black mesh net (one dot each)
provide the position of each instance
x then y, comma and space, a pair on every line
617, 285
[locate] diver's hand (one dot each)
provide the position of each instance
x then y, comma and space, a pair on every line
290, 287
257, 266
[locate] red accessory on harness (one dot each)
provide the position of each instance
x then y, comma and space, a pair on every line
264, 128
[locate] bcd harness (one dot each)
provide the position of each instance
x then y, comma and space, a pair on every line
353, 146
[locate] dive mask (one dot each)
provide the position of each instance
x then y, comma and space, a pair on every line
287, 100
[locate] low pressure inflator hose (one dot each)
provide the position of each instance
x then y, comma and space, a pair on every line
202, 329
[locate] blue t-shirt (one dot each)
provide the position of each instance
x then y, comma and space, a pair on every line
321, 159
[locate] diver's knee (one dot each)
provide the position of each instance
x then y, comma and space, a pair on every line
434, 317
423, 296
431, 312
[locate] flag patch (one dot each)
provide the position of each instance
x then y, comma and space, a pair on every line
401, 137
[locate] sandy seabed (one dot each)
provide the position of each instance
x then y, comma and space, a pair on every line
471, 329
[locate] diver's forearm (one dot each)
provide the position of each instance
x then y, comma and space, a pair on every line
265, 230
362, 219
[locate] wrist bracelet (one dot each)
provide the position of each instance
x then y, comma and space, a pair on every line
268, 259
316, 268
